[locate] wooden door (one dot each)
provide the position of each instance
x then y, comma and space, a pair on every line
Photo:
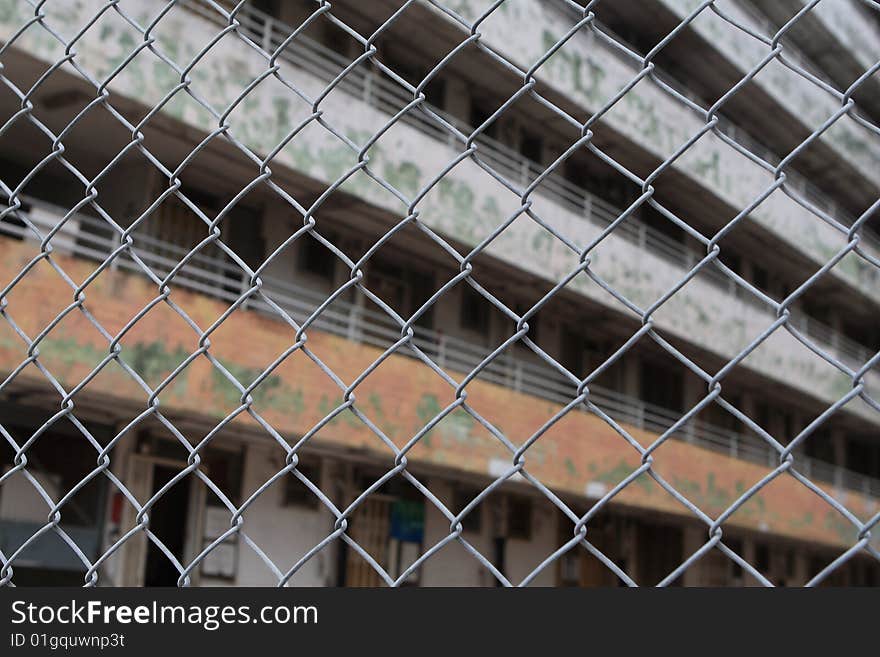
371, 528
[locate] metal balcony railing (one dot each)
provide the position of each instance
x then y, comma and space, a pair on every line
737, 133
381, 93
91, 238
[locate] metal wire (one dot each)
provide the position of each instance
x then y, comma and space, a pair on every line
277, 43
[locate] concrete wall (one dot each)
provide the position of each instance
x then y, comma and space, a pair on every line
468, 204
581, 455
589, 72
811, 105
284, 533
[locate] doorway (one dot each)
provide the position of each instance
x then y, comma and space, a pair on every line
168, 521
176, 519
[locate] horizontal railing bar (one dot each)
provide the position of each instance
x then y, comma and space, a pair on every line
378, 330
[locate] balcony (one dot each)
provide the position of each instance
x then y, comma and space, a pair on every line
581, 216
86, 237
572, 201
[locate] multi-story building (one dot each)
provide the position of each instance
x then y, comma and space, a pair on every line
187, 140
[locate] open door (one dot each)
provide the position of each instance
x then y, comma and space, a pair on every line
176, 519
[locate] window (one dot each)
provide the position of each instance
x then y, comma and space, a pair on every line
579, 355
519, 518
59, 460
762, 558
435, 92
817, 445
474, 311
662, 387
461, 497
296, 493
861, 457
656, 220
762, 415
480, 113
531, 146
316, 259
790, 563
760, 278
735, 544
388, 283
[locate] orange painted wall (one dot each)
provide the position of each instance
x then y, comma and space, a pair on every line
399, 397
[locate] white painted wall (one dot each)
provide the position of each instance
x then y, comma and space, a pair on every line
284, 533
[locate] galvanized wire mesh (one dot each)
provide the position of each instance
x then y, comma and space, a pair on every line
283, 49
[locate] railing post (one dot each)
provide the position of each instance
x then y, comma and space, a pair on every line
268, 26
354, 323
368, 87
244, 287
441, 351
588, 207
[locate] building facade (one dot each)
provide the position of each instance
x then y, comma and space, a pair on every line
232, 366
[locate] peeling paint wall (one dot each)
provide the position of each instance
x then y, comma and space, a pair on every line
589, 72
850, 28
467, 204
811, 105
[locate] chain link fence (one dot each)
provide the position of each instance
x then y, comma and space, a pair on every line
673, 165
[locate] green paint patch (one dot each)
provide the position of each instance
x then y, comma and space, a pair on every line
404, 177
620, 472
271, 393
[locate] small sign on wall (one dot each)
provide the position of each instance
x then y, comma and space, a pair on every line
222, 561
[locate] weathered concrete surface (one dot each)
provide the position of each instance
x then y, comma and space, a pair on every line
588, 72
808, 103
467, 204
850, 27
399, 397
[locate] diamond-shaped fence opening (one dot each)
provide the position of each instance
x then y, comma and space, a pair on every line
439, 293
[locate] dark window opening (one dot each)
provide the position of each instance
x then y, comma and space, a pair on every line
480, 113
862, 457
461, 497
498, 555
657, 221
474, 311
659, 552
577, 353
296, 493
760, 278
224, 467
435, 92
818, 446
531, 146
519, 518
315, 258
762, 558
662, 387
735, 545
